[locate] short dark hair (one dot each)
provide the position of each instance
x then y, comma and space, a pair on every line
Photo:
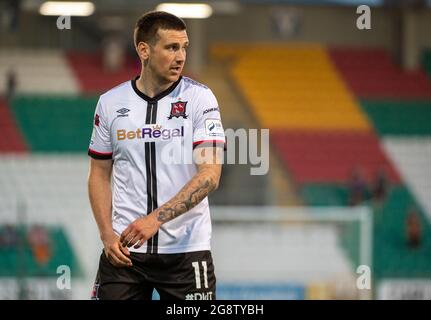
147, 25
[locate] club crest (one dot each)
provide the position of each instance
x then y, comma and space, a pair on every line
178, 109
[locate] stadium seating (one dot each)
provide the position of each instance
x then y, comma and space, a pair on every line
392, 257
303, 249
412, 156
11, 139
427, 62
38, 71
328, 157
66, 122
50, 189
329, 110
324, 194
391, 117
296, 88
19, 260
371, 73
91, 76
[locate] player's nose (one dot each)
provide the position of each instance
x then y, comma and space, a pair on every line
180, 56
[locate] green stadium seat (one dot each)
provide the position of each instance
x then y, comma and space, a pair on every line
392, 257
15, 262
324, 194
66, 122
427, 62
399, 117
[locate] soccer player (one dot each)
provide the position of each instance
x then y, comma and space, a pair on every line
154, 219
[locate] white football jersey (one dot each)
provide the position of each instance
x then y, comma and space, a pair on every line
151, 141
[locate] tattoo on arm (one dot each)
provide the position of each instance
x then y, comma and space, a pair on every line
187, 198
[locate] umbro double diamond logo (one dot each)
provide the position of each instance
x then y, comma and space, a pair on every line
123, 112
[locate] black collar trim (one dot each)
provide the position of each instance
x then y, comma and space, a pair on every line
158, 96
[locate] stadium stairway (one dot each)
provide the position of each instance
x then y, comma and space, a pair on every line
235, 115
327, 110
413, 158
312, 100
306, 96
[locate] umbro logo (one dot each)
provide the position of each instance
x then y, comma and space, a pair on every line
123, 112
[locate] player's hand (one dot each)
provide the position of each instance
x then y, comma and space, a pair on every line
140, 231
117, 255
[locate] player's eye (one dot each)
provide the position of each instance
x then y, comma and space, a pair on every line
173, 47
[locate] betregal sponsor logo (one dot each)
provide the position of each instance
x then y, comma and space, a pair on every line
154, 132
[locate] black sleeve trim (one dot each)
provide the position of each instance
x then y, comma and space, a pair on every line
208, 144
99, 156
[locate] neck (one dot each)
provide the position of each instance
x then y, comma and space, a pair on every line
149, 84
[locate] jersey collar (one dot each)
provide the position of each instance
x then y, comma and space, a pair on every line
157, 97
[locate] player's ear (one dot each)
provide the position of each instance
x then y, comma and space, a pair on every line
143, 50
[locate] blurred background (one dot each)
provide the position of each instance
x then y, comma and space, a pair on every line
344, 211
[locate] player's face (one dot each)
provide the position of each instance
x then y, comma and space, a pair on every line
168, 55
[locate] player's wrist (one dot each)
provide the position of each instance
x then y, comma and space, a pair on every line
107, 235
155, 217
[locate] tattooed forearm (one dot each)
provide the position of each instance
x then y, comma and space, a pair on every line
205, 181
166, 214
192, 194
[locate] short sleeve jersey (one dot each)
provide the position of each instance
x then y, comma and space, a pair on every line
151, 141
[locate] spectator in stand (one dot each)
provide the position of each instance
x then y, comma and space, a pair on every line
8, 237
38, 238
10, 84
358, 190
113, 54
380, 187
413, 228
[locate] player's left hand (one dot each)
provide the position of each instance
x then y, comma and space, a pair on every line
140, 231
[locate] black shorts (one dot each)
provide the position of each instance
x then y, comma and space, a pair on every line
183, 276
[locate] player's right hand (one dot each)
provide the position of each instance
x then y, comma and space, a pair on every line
117, 255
